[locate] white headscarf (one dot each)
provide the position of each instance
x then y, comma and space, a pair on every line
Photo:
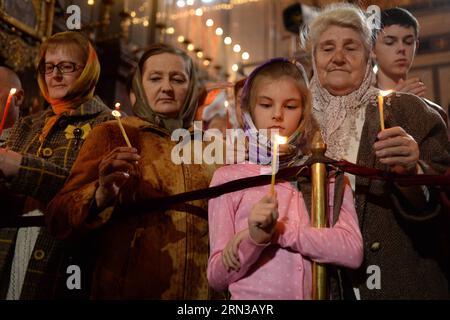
337, 114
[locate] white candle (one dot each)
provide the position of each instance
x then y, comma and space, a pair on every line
276, 141
117, 115
381, 96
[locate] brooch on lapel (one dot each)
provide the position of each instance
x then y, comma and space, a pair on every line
73, 132
78, 133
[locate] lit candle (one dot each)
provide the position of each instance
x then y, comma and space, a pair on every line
276, 141
117, 115
12, 92
227, 111
381, 96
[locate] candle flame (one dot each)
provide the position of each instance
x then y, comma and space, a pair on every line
280, 139
385, 93
12, 91
116, 113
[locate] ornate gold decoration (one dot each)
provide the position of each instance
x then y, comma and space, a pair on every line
17, 53
41, 22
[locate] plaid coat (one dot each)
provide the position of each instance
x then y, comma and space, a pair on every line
43, 171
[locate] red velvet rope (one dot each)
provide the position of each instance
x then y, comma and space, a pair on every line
290, 173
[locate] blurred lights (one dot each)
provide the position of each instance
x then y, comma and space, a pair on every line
220, 5
90, 2
199, 12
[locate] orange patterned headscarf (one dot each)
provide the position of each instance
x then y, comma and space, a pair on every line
82, 89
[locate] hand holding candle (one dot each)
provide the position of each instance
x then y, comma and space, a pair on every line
12, 92
276, 141
117, 115
381, 96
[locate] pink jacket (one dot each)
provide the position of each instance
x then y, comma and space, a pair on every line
281, 270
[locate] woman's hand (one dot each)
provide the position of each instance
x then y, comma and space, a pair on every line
398, 150
114, 171
230, 256
263, 219
9, 163
413, 85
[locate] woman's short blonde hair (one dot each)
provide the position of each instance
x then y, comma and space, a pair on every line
338, 14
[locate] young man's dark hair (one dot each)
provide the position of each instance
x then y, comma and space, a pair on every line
401, 17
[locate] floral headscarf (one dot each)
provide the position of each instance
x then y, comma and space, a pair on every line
336, 112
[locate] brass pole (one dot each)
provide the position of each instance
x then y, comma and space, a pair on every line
319, 218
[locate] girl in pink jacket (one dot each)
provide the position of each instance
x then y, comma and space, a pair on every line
262, 244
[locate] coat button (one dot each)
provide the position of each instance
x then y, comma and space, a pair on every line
47, 152
375, 246
39, 254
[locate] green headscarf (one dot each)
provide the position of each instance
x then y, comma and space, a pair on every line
142, 108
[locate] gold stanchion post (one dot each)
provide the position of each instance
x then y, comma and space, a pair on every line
319, 218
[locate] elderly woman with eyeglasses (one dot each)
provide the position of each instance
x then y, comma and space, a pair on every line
41, 150
404, 228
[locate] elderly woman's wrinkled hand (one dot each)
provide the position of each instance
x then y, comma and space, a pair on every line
398, 150
114, 171
230, 254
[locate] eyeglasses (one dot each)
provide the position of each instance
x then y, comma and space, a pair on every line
63, 67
